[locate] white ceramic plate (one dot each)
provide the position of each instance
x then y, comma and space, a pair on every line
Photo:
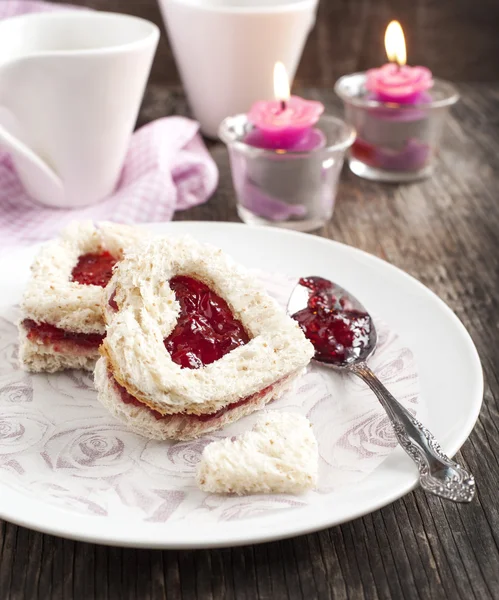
450, 379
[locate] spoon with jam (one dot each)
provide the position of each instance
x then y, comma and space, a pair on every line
344, 337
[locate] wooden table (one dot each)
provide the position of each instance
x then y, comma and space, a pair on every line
444, 231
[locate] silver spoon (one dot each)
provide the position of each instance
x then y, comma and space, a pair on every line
338, 313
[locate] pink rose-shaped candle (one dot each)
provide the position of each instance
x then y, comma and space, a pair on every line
395, 81
287, 122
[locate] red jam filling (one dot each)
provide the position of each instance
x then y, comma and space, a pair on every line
337, 331
127, 398
48, 334
206, 329
112, 301
94, 268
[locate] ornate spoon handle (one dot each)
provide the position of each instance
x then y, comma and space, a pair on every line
438, 474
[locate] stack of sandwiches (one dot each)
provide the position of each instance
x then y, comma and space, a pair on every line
184, 341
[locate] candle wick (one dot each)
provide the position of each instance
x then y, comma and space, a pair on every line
283, 105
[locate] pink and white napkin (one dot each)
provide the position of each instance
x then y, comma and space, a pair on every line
167, 168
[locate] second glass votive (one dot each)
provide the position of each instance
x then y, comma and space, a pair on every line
395, 142
289, 189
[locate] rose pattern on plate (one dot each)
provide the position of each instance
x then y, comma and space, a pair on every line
68, 381
369, 434
93, 450
81, 380
58, 443
175, 459
21, 431
12, 466
17, 392
170, 502
9, 344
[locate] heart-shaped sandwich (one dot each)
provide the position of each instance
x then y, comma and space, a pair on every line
62, 325
279, 456
193, 341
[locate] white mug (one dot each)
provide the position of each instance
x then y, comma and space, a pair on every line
71, 84
226, 50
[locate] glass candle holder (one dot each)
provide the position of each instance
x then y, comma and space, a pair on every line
290, 189
395, 142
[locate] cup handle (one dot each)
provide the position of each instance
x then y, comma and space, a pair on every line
30, 167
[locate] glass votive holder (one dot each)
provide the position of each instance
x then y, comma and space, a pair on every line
288, 189
395, 142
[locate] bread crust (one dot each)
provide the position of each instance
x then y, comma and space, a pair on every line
50, 296
39, 358
148, 310
177, 427
279, 456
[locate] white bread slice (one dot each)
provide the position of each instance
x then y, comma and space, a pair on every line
175, 427
279, 455
50, 296
148, 313
39, 358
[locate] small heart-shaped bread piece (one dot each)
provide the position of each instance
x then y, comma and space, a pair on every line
279, 455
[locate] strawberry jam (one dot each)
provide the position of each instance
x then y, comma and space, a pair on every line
112, 301
127, 398
337, 331
94, 268
206, 329
48, 334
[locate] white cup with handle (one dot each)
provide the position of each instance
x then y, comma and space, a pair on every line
71, 84
226, 50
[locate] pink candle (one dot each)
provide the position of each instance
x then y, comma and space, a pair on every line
403, 85
396, 82
392, 137
286, 123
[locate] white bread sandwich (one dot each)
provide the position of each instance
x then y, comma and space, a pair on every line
62, 324
279, 455
193, 342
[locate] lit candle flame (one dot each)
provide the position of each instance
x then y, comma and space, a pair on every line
281, 83
395, 44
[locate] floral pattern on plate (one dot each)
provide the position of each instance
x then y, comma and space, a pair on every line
59, 443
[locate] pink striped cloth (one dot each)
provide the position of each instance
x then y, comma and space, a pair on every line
167, 168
